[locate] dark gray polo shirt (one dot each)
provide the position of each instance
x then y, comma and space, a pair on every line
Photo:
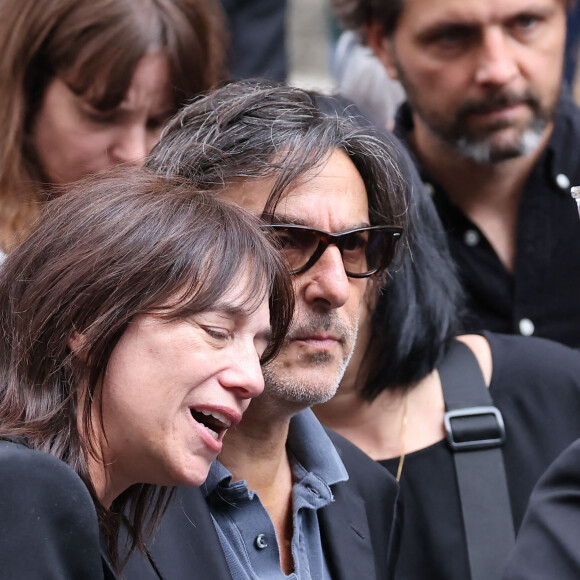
244, 526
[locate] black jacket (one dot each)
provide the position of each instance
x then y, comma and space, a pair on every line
547, 544
48, 521
359, 530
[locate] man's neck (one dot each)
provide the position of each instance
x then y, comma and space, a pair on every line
255, 451
488, 193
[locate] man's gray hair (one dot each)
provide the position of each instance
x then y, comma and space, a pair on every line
250, 130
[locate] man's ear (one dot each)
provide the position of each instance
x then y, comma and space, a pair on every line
382, 47
77, 345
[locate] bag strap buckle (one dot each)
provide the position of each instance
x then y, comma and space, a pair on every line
473, 434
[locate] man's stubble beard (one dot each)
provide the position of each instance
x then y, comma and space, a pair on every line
302, 388
480, 147
484, 152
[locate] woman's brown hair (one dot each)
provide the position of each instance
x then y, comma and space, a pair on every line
94, 46
108, 250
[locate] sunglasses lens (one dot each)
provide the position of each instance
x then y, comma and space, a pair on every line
381, 250
297, 245
355, 251
363, 251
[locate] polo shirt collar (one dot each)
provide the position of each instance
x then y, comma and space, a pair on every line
310, 449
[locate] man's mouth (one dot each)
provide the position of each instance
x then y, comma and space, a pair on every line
498, 105
502, 116
320, 333
497, 108
321, 340
215, 422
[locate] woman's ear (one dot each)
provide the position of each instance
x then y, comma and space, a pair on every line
77, 345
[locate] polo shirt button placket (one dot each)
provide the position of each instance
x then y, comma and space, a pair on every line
261, 541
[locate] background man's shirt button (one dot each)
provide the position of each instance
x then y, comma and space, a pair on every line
562, 181
527, 327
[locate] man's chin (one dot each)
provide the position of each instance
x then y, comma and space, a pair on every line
500, 147
308, 373
303, 387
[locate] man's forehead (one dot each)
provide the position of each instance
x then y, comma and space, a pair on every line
333, 193
250, 193
423, 14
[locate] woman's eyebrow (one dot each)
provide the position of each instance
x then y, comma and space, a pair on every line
232, 310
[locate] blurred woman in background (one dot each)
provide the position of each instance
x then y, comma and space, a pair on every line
86, 84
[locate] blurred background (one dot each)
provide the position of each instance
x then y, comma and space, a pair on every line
309, 44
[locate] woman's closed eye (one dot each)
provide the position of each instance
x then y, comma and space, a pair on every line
217, 333
98, 116
156, 123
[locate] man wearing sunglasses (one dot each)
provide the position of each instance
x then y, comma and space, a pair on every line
289, 499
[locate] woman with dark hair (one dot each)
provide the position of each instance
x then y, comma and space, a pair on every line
133, 322
392, 404
86, 84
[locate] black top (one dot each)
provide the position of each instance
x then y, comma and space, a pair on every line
185, 546
544, 286
48, 521
547, 546
536, 385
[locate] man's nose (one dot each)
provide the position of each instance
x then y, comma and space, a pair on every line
327, 280
497, 63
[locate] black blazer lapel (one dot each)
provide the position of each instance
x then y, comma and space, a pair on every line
345, 534
108, 572
186, 546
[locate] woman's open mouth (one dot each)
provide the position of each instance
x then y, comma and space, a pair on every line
215, 422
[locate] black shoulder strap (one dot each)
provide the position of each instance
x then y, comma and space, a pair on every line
476, 432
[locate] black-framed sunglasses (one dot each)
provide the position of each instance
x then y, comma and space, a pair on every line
364, 251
